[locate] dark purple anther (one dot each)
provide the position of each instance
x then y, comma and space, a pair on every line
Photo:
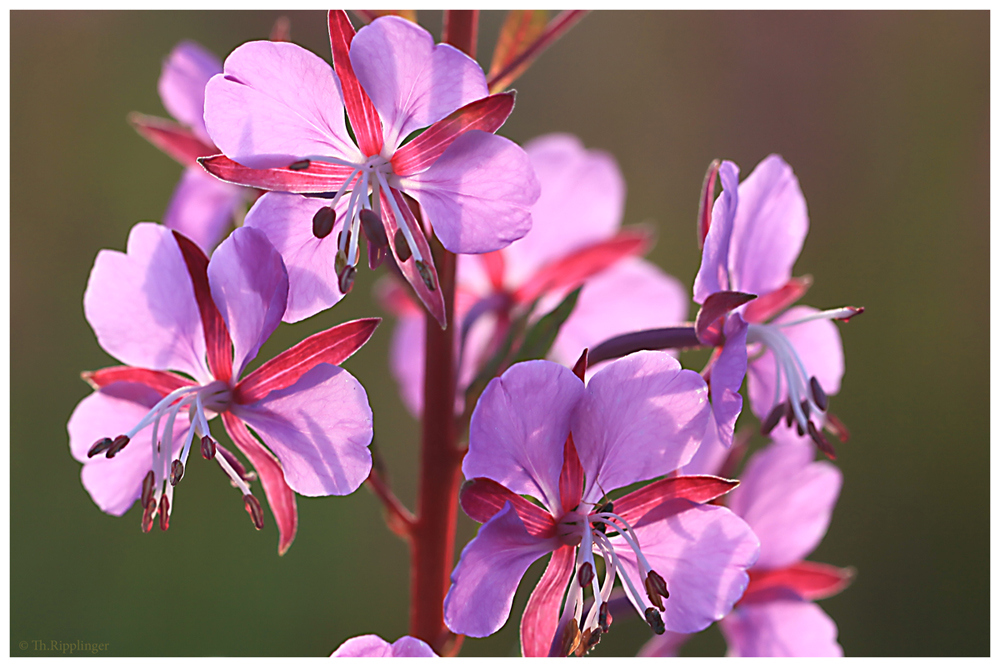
254, 510
819, 396
323, 222
789, 413
207, 447
147, 515
772, 419
604, 617
821, 442
805, 408
656, 589
300, 165
117, 445
345, 279
164, 512
235, 463
426, 274
585, 574
176, 472
98, 447
147, 488
373, 229
402, 247
655, 621
342, 240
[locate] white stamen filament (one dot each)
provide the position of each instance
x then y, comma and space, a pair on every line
625, 530
232, 473
157, 410
349, 216
352, 255
636, 597
343, 188
832, 314
400, 220
789, 364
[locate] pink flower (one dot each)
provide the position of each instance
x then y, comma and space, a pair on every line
163, 305
373, 646
539, 431
202, 207
277, 113
575, 238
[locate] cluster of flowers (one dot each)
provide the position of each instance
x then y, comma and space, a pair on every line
549, 440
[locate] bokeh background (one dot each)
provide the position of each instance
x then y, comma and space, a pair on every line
884, 117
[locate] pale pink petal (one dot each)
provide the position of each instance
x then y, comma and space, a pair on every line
519, 428
667, 645
770, 226
787, 498
486, 577
202, 207
286, 220
478, 194
582, 201
411, 81
781, 628
319, 428
642, 417
277, 103
250, 287
185, 74
141, 304
702, 552
373, 646
713, 275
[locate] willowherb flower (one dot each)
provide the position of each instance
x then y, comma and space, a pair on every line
277, 113
163, 305
202, 207
539, 431
796, 359
373, 646
575, 238
787, 498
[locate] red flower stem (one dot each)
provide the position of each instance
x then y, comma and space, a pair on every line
433, 533
555, 29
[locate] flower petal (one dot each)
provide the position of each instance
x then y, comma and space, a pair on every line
667, 645
201, 207
770, 226
178, 142
727, 378
302, 176
360, 110
319, 428
410, 80
695, 488
274, 104
373, 646
185, 74
488, 572
160, 381
286, 220
781, 628
519, 427
713, 274
478, 194
643, 416
250, 288
141, 304
541, 615
482, 499
787, 498
810, 581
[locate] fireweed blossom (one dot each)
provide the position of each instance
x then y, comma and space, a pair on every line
575, 238
277, 113
373, 646
202, 207
787, 498
796, 360
163, 305
539, 431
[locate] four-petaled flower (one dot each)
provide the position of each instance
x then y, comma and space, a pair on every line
163, 305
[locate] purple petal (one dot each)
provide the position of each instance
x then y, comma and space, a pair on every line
286, 220
141, 304
770, 225
319, 428
202, 207
519, 428
250, 287
411, 81
185, 74
642, 417
787, 498
116, 483
630, 296
582, 201
667, 645
702, 551
711, 454
275, 104
713, 275
727, 378
478, 194
373, 646
781, 628
406, 360
488, 572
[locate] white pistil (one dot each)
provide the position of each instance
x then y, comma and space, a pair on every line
832, 314
352, 255
625, 530
400, 220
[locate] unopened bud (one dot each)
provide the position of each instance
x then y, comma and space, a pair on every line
773, 417
403, 251
819, 396
299, 165
656, 589
207, 447
585, 574
147, 488
164, 512
253, 509
323, 222
655, 621
117, 445
426, 274
176, 472
99, 447
345, 279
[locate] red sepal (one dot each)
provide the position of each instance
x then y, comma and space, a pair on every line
364, 119
317, 177
161, 382
486, 114
705, 203
696, 488
576, 267
217, 342
580, 367
570, 477
541, 615
432, 299
175, 140
494, 263
768, 305
708, 323
280, 496
555, 29
481, 498
811, 581
520, 29
332, 346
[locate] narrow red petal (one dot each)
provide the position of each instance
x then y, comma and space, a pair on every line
217, 342
556, 28
494, 263
696, 488
332, 346
481, 498
364, 119
708, 323
316, 177
162, 382
173, 139
541, 615
769, 305
576, 267
280, 496
812, 581
433, 299
486, 114
570, 477
705, 203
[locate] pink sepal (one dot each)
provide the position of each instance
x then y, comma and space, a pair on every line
541, 615
431, 298
481, 498
707, 324
772, 303
162, 382
811, 581
173, 139
314, 178
360, 110
571, 476
696, 488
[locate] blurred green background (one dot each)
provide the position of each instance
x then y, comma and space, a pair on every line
884, 117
